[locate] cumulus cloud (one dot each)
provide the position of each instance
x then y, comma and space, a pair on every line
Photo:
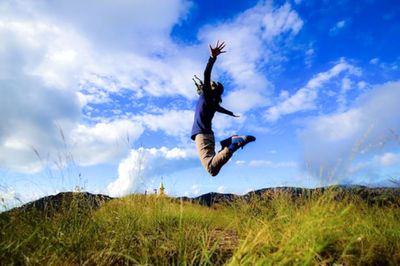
331, 142
305, 98
389, 158
103, 142
172, 122
42, 105
250, 38
121, 24
56, 60
32, 112
143, 163
10, 198
68, 39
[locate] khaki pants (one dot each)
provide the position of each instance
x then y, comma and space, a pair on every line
206, 147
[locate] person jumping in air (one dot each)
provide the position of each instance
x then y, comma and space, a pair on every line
208, 104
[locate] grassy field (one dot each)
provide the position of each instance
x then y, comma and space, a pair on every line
140, 229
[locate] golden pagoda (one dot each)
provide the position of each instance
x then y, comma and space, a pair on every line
161, 189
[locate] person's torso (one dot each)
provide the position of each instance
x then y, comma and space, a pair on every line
204, 114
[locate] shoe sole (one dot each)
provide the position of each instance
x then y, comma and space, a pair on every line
247, 139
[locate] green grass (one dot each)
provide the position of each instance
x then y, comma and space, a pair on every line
141, 229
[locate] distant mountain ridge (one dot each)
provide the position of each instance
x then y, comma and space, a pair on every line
86, 201
379, 195
63, 201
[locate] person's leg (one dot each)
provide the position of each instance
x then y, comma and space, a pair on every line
219, 160
206, 147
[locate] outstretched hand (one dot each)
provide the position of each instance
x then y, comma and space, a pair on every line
217, 49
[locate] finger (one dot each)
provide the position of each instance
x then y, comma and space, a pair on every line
222, 47
223, 43
217, 44
209, 46
223, 52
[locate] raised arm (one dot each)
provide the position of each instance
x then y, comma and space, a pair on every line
221, 109
214, 52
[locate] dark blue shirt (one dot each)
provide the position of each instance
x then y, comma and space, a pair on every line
205, 111
207, 105
205, 108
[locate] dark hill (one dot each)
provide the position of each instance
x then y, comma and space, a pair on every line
85, 202
64, 201
381, 195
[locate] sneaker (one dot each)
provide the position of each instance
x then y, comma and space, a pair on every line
226, 142
240, 141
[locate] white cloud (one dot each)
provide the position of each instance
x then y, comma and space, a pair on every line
250, 39
374, 61
304, 99
338, 26
310, 51
31, 116
362, 84
103, 142
331, 142
309, 56
342, 98
172, 122
196, 192
225, 126
389, 159
221, 189
143, 164
64, 47
265, 163
120, 24
55, 60
10, 198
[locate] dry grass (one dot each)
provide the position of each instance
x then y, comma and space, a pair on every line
141, 229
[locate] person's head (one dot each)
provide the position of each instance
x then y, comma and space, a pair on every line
217, 89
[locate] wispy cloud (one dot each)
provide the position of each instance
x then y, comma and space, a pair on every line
338, 26
251, 37
389, 158
331, 142
305, 98
266, 163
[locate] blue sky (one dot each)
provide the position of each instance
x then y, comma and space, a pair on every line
99, 94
